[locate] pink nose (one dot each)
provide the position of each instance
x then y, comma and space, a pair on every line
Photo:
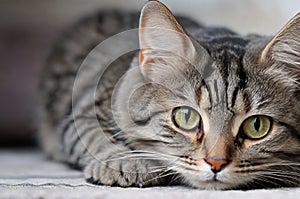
217, 164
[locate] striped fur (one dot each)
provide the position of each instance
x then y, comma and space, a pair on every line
121, 133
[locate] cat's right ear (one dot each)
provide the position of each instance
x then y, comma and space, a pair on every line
284, 48
161, 38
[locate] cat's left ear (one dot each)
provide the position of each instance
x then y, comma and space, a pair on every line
285, 46
162, 38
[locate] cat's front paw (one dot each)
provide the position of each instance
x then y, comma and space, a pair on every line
123, 173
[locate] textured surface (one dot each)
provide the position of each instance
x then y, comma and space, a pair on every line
27, 174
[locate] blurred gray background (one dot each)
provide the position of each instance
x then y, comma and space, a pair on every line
28, 29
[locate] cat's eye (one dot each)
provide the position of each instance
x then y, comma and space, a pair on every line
256, 127
186, 118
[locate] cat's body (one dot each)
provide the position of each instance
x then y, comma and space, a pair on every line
123, 130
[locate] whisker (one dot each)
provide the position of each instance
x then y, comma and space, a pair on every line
281, 178
162, 175
141, 154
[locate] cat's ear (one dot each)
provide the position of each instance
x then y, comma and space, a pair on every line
161, 37
285, 46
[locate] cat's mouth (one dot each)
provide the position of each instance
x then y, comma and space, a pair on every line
215, 182
215, 179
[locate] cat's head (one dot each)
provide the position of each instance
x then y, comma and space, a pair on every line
220, 110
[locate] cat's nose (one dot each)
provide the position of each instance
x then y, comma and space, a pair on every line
217, 164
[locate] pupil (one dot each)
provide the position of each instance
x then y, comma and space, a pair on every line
187, 115
257, 123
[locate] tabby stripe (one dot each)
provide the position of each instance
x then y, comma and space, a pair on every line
234, 42
286, 155
209, 93
64, 132
85, 149
250, 164
98, 103
149, 142
100, 119
145, 121
72, 121
72, 130
295, 133
66, 127
80, 136
181, 97
168, 128
167, 136
234, 96
242, 74
246, 102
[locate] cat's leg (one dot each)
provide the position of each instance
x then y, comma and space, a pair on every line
115, 166
106, 160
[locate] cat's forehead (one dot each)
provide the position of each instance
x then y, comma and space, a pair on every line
227, 75
221, 43
226, 49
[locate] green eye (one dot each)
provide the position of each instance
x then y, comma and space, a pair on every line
256, 127
186, 118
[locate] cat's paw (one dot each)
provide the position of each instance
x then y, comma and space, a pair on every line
123, 173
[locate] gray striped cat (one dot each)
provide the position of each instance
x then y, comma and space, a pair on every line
197, 106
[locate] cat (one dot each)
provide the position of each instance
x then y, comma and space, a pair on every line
197, 106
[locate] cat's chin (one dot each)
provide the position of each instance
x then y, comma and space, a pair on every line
211, 184
206, 179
